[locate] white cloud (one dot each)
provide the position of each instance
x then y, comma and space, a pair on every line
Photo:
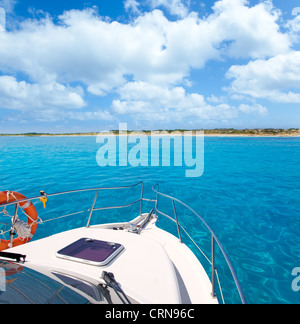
144, 101
254, 109
132, 5
294, 28
158, 54
2, 20
276, 79
294, 24
25, 96
215, 99
8, 5
168, 97
245, 31
83, 47
54, 115
178, 8
296, 11
102, 115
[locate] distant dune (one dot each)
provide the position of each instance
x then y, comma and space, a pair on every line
208, 132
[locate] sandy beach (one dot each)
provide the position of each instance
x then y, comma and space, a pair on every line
159, 133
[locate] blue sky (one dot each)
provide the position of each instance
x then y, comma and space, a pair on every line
82, 66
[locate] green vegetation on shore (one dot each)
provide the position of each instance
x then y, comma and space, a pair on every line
219, 131
256, 132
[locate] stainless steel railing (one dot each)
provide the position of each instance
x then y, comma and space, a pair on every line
180, 228
214, 240
91, 210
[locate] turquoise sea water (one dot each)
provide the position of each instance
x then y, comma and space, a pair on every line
249, 194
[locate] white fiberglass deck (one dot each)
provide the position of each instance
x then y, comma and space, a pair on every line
154, 268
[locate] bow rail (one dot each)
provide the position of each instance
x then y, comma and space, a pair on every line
157, 212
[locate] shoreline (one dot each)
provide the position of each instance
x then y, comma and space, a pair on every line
154, 134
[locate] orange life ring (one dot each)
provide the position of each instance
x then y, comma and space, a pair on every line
30, 211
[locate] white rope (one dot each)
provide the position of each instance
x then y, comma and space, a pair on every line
5, 212
2, 233
7, 196
23, 229
33, 222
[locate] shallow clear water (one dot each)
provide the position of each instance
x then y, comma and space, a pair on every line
249, 194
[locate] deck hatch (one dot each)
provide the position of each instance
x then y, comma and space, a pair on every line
90, 251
